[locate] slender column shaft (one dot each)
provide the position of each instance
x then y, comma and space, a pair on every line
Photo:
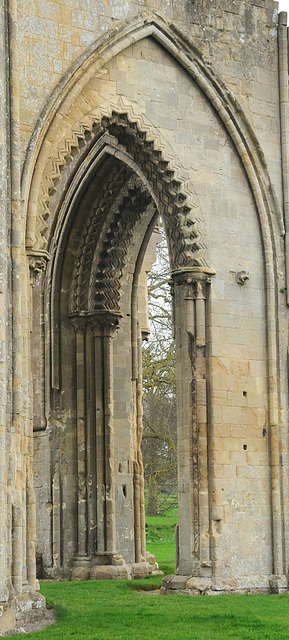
284, 121
202, 421
109, 444
139, 440
5, 342
56, 518
279, 476
99, 428
184, 431
137, 520
31, 533
103, 325
81, 438
91, 443
139, 506
190, 332
17, 568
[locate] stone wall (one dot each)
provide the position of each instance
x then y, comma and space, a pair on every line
112, 114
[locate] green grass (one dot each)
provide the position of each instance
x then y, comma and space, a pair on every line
160, 538
106, 610
122, 610
164, 553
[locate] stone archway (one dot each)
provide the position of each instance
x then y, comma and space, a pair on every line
110, 213
120, 148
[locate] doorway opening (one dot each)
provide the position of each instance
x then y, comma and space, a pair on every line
159, 441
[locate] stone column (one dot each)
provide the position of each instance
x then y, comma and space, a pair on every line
38, 261
138, 478
190, 290
5, 342
103, 326
82, 558
79, 326
17, 565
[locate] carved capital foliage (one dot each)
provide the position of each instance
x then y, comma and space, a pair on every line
195, 280
101, 322
79, 322
37, 264
104, 325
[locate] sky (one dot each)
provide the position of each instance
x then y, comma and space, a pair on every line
284, 5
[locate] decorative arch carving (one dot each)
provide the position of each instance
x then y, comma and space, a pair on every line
178, 205
104, 243
170, 37
48, 156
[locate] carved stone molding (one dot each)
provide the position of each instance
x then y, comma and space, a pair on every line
37, 264
79, 322
242, 277
192, 275
178, 205
101, 321
97, 271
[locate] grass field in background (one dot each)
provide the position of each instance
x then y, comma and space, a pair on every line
160, 536
123, 610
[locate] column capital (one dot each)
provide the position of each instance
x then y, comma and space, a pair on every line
194, 279
37, 263
190, 275
103, 322
79, 321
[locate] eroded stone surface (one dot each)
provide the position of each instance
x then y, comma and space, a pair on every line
116, 116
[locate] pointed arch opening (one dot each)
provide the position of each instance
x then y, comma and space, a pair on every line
97, 193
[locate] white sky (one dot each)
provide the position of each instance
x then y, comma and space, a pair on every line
284, 5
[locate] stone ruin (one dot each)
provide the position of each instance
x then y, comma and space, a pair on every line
113, 114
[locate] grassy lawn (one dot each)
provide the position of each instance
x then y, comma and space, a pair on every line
117, 610
160, 536
122, 610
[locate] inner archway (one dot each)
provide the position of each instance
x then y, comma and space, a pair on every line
100, 234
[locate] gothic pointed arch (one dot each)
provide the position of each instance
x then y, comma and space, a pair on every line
46, 144
56, 141
107, 143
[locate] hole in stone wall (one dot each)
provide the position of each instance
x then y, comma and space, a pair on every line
120, 467
124, 490
245, 394
264, 433
245, 447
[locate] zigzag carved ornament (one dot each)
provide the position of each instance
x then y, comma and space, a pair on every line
177, 206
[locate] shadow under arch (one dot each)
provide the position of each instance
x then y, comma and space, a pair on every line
246, 145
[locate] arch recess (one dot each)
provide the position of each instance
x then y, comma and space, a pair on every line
57, 143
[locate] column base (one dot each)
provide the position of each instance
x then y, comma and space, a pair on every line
7, 617
20, 610
81, 568
112, 566
278, 584
196, 585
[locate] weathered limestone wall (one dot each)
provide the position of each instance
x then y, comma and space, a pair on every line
231, 243
237, 38
7, 617
18, 598
117, 112
240, 445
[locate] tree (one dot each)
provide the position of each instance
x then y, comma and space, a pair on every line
159, 387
